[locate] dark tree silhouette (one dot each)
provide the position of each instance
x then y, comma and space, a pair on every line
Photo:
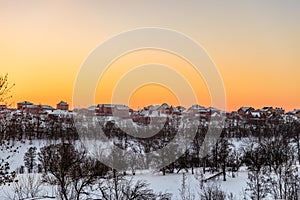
5, 89
73, 172
30, 159
5, 144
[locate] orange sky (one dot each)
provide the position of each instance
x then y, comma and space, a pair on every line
254, 44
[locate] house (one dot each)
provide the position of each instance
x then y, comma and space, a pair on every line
194, 110
33, 109
105, 109
154, 109
166, 109
163, 109
116, 110
178, 110
3, 107
256, 114
62, 106
46, 107
205, 114
153, 113
267, 110
279, 111
256, 117
24, 104
92, 108
243, 111
121, 111
275, 118
295, 112
141, 116
59, 113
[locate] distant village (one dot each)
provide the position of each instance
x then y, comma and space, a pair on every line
250, 115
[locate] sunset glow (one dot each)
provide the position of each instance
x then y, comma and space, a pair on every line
255, 46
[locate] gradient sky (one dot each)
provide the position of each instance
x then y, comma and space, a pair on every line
255, 45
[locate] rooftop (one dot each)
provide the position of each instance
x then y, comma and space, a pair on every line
62, 103
25, 103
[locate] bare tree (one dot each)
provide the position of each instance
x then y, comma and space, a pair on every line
257, 184
284, 182
185, 191
212, 191
128, 190
69, 169
223, 154
5, 144
296, 137
27, 186
254, 157
5, 89
30, 159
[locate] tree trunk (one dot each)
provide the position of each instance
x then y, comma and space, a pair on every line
116, 183
224, 172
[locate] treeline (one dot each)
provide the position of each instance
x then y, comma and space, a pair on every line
35, 127
76, 176
26, 126
220, 152
270, 151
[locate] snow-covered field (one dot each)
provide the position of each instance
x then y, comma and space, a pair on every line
170, 183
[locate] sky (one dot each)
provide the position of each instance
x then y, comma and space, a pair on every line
254, 44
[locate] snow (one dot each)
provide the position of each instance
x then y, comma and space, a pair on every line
106, 105
32, 106
165, 105
92, 108
170, 183
255, 114
153, 108
244, 109
59, 112
144, 112
122, 107
39, 198
155, 114
16, 159
196, 107
47, 107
